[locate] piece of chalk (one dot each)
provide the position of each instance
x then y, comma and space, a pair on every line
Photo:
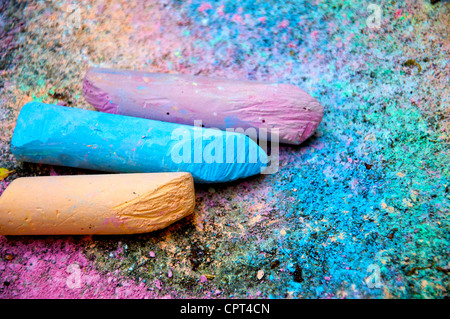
95, 204
58, 135
218, 103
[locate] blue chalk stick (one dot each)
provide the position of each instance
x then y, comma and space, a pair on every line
57, 135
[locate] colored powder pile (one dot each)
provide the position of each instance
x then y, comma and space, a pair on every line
360, 210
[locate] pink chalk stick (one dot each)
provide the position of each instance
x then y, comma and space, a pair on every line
218, 103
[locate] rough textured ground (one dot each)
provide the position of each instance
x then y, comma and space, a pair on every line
369, 192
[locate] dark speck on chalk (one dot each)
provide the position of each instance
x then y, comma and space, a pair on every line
298, 274
196, 256
275, 264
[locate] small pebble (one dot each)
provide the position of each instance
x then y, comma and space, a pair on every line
260, 274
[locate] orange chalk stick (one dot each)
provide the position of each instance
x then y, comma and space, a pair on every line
95, 204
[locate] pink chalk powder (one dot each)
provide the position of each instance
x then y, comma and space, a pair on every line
57, 269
